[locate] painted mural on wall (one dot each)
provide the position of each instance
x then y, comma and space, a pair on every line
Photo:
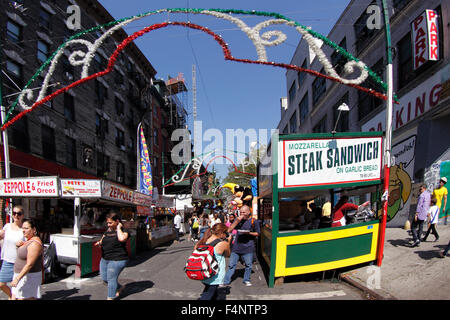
400, 182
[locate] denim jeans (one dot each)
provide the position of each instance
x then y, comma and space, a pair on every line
417, 235
234, 258
110, 271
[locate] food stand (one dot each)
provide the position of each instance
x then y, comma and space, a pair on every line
75, 246
161, 228
301, 175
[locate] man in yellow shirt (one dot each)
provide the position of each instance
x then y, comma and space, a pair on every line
441, 195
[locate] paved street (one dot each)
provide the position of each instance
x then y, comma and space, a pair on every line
159, 275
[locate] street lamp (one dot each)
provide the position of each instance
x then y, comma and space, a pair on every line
342, 107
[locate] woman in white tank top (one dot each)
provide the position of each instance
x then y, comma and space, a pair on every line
11, 234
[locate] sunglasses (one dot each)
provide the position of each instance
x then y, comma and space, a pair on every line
17, 213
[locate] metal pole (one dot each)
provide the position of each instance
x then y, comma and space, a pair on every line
388, 133
5, 139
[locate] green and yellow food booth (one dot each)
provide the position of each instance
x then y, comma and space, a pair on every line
75, 246
300, 180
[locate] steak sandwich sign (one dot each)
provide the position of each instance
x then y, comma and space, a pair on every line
316, 162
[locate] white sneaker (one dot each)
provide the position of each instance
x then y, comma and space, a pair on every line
248, 283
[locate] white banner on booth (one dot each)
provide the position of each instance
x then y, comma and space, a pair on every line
314, 162
81, 188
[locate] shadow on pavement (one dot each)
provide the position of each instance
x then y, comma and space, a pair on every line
64, 295
400, 243
135, 287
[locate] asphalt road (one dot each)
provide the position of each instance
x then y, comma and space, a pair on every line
158, 275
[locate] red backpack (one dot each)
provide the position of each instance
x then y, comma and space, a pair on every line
202, 263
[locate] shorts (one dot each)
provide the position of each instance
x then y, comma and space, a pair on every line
29, 286
7, 272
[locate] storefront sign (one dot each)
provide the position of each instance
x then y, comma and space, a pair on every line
425, 38
118, 193
81, 188
164, 202
329, 161
29, 187
412, 105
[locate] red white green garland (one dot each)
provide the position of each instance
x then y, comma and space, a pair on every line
260, 41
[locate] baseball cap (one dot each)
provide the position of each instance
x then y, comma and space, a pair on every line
444, 179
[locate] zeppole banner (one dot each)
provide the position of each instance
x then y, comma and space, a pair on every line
318, 162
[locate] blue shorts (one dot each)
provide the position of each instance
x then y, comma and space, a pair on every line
7, 272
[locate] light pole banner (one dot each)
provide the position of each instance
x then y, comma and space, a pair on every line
315, 162
145, 169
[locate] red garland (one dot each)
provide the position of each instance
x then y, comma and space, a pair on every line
227, 56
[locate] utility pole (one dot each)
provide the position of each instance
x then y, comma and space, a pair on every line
388, 133
194, 102
5, 139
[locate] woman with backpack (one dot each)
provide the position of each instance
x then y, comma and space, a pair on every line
217, 237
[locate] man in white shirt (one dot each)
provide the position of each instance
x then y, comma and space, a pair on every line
177, 225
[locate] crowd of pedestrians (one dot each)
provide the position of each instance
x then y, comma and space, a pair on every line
429, 207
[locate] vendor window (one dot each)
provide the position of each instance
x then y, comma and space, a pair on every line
310, 210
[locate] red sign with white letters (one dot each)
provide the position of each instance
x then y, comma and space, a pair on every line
425, 38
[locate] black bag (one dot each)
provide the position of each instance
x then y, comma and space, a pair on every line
50, 262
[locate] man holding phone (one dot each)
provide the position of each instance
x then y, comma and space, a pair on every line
244, 246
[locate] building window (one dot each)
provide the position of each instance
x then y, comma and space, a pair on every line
337, 59
120, 108
362, 33
14, 68
48, 143
293, 123
101, 126
301, 77
304, 108
71, 152
405, 62
321, 126
101, 91
13, 31
367, 102
68, 69
400, 4
100, 63
42, 51
102, 165
292, 91
155, 137
343, 124
120, 138
44, 19
19, 134
318, 88
120, 171
69, 106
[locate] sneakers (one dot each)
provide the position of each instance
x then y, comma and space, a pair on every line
416, 244
247, 283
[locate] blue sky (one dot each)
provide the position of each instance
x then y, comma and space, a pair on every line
230, 95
